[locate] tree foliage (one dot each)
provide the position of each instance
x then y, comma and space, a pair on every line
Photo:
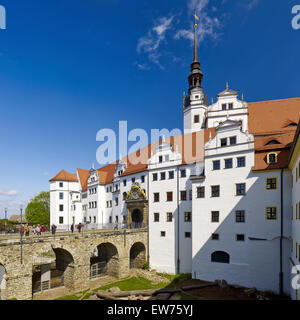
38, 210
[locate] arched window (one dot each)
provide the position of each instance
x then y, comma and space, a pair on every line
220, 257
272, 158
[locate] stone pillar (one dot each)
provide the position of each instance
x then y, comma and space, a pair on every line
81, 277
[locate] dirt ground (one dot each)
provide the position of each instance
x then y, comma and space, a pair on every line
216, 293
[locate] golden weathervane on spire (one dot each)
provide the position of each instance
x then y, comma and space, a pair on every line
196, 19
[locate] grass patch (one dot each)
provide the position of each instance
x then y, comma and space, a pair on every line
134, 283
185, 296
72, 297
176, 279
87, 296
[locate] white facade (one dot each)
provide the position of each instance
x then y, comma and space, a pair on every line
237, 228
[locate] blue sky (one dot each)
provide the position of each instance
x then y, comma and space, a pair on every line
69, 68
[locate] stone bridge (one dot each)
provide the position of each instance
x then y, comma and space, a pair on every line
69, 260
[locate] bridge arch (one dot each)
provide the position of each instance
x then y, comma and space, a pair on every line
2, 282
137, 255
105, 261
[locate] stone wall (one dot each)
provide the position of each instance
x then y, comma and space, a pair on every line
79, 247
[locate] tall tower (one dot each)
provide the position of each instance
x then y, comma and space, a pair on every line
196, 102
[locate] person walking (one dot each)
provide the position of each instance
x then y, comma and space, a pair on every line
53, 229
26, 230
38, 230
116, 225
72, 227
79, 227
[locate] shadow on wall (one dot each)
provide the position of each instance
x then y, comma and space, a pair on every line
254, 262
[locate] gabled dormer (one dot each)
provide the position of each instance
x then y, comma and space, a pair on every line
164, 156
227, 106
229, 138
120, 169
93, 177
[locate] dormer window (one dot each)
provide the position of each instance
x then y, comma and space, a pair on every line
272, 158
272, 142
196, 119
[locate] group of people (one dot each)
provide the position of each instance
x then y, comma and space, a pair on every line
79, 227
37, 230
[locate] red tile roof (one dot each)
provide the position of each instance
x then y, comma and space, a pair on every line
65, 176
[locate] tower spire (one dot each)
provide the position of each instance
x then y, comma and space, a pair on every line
196, 75
195, 45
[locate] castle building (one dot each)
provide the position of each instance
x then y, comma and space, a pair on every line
220, 202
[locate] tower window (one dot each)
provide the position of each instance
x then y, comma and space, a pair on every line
196, 119
232, 141
224, 142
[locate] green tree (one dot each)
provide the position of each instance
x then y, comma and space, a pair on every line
38, 210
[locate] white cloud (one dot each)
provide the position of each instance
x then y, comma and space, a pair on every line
150, 44
251, 4
8, 193
207, 25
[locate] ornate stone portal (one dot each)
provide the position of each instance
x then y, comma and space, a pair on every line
137, 207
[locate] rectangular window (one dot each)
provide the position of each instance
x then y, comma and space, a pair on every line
241, 162
169, 217
188, 234
240, 237
154, 176
224, 142
156, 217
216, 165
215, 216
95, 219
224, 106
187, 217
183, 173
133, 180
162, 176
200, 192
156, 197
240, 216
117, 201
196, 119
190, 195
61, 220
215, 236
107, 190
232, 141
160, 159
143, 179
61, 207
271, 183
230, 106
215, 191
163, 233
169, 196
228, 163
183, 195
271, 213
61, 185
171, 175
124, 183
241, 189
61, 196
